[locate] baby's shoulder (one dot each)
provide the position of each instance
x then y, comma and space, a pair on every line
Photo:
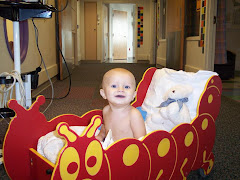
135, 112
106, 108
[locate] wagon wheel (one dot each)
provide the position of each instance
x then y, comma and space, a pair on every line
202, 173
207, 166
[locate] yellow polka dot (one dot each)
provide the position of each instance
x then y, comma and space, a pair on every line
210, 98
188, 139
212, 81
205, 124
163, 147
130, 155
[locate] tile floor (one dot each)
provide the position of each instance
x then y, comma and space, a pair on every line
231, 87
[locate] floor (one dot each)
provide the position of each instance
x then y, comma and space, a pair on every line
231, 87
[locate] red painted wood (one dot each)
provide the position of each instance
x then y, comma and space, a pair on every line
163, 159
206, 137
25, 130
186, 151
160, 154
40, 169
143, 86
140, 169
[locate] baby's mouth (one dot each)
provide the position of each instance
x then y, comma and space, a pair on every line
120, 96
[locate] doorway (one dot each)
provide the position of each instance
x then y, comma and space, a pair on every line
121, 30
90, 21
67, 37
175, 34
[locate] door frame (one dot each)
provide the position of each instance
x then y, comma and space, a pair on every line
180, 12
105, 32
210, 35
60, 31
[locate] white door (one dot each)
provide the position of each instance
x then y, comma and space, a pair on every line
120, 30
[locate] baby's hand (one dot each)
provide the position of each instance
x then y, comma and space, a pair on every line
140, 138
108, 140
99, 138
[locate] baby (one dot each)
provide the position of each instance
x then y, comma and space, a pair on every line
122, 119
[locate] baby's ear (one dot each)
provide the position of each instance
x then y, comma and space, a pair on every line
102, 93
134, 94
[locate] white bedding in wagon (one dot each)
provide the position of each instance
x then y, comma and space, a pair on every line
164, 79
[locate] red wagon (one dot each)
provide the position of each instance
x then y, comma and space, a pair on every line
159, 155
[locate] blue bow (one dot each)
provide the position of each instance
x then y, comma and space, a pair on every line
169, 101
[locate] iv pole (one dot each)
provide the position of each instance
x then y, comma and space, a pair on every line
17, 61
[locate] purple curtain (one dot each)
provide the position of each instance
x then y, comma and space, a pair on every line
220, 46
23, 28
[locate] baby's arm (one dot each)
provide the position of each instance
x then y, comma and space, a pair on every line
137, 124
102, 134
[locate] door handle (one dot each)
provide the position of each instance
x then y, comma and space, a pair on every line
214, 20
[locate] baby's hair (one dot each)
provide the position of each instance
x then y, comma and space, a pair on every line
118, 69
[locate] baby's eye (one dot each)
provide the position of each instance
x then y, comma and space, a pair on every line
127, 87
113, 86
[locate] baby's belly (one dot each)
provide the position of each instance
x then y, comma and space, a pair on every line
121, 134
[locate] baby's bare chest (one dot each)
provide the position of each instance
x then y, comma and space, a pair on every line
119, 123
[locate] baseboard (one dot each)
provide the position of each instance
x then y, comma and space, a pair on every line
42, 87
143, 61
90, 61
70, 60
143, 57
159, 66
161, 61
43, 81
52, 71
191, 68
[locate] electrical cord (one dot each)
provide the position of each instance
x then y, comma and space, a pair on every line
45, 67
69, 74
15, 75
36, 38
2, 117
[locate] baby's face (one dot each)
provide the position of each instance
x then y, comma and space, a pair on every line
118, 87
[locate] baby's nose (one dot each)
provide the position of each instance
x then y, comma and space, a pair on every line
120, 88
